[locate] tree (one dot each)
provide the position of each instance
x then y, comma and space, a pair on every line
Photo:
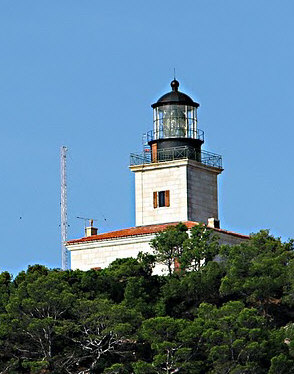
257, 271
237, 339
123, 268
101, 329
200, 248
142, 294
48, 327
180, 296
170, 353
168, 245
36, 308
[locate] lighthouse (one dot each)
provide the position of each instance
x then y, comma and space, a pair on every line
175, 180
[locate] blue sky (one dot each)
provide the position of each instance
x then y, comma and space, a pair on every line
84, 74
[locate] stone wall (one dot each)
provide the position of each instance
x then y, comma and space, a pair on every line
151, 178
101, 253
202, 192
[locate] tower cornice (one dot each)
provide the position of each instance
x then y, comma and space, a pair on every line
175, 163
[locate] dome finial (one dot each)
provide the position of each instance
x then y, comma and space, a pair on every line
175, 85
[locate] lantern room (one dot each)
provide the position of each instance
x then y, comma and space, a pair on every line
175, 115
175, 133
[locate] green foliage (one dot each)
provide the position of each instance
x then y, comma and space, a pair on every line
5, 281
168, 245
281, 364
36, 367
163, 334
258, 271
200, 248
235, 337
116, 369
141, 294
181, 295
225, 310
141, 367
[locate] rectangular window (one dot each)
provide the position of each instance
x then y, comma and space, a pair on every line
161, 199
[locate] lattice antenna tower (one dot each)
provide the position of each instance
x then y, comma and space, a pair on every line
63, 205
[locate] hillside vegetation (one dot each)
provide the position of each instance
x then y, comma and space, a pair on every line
220, 310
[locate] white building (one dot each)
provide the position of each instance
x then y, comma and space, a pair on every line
175, 181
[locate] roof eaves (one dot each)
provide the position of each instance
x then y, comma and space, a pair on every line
144, 230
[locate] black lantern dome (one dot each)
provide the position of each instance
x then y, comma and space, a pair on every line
175, 97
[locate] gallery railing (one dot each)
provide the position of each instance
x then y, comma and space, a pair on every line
175, 132
177, 153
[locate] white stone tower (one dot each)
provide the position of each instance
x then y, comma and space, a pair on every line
174, 179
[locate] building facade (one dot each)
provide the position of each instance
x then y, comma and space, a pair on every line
175, 181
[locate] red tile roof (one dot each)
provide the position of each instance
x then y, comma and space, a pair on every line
144, 230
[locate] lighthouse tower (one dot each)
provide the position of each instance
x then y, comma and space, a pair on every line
175, 180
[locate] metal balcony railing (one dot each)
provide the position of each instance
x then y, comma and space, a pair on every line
175, 132
177, 153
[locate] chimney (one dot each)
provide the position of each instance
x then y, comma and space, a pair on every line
90, 230
213, 223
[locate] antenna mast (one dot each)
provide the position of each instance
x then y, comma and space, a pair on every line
63, 205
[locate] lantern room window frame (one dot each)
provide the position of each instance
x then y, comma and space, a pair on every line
167, 121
